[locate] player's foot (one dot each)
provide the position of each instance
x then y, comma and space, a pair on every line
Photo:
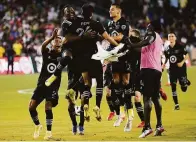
38, 128
159, 130
71, 94
163, 94
167, 84
81, 130
177, 107
50, 80
97, 113
111, 115
183, 88
145, 132
48, 135
118, 121
86, 113
141, 125
128, 125
74, 130
188, 82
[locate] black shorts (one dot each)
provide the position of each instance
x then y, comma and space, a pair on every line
48, 93
121, 67
137, 82
95, 69
151, 79
178, 74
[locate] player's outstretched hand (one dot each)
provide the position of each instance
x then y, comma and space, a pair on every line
54, 34
90, 34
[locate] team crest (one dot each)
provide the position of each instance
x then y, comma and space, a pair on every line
123, 27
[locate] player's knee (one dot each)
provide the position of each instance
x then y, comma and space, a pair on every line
32, 105
129, 105
116, 81
137, 97
173, 87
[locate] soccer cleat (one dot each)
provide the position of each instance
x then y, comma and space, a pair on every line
159, 130
177, 107
74, 130
81, 130
128, 125
118, 121
97, 113
111, 115
38, 128
71, 94
183, 88
48, 135
145, 132
50, 80
141, 125
86, 113
163, 94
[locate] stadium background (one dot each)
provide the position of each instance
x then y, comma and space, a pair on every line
25, 24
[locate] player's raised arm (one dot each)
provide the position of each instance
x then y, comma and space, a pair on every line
47, 41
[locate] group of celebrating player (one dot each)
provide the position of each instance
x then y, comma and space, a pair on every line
136, 73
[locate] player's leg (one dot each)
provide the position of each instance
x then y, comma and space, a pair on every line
157, 104
110, 104
36, 99
127, 101
139, 108
116, 92
148, 85
107, 83
51, 101
49, 119
173, 80
12, 65
86, 94
184, 82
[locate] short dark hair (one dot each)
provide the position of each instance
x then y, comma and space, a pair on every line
87, 10
137, 32
117, 5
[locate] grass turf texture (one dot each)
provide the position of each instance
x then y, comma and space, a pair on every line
16, 124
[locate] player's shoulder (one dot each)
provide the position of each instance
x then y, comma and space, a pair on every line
67, 23
124, 21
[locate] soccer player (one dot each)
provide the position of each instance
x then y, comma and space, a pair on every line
118, 28
177, 55
134, 57
51, 52
151, 74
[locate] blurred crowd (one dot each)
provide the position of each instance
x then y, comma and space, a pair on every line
25, 25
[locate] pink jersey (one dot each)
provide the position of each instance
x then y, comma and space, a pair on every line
151, 55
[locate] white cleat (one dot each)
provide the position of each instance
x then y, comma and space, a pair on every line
48, 135
38, 128
128, 125
145, 133
97, 113
118, 121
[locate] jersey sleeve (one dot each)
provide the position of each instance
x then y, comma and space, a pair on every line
124, 28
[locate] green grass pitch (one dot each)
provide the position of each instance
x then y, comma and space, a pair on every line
16, 124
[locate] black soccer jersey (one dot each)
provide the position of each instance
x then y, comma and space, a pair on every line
121, 26
50, 61
175, 54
